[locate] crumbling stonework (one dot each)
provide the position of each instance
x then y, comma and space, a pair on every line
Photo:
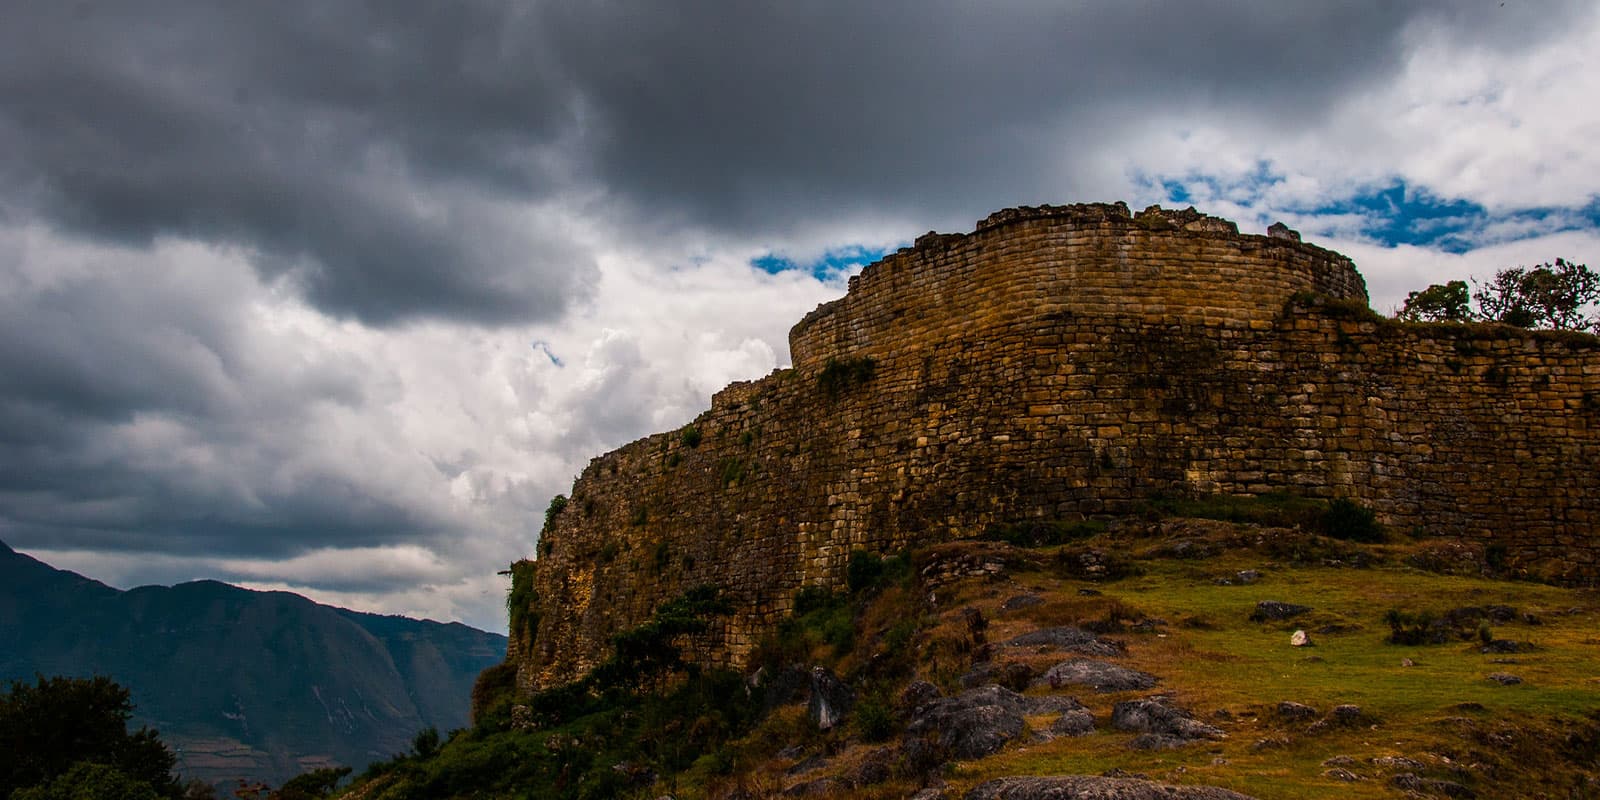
1062, 362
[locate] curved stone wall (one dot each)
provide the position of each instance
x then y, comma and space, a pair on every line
1063, 362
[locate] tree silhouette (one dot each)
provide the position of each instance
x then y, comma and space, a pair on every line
49, 728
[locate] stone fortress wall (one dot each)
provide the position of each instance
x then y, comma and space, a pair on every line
1062, 362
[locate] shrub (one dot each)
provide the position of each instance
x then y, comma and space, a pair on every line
1447, 302
492, 695
522, 598
1346, 519
820, 617
812, 598
863, 571
1410, 628
732, 470
875, 719
842, 374
690, 436
1042, 533
557, 505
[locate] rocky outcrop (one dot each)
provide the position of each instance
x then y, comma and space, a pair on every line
1090, 787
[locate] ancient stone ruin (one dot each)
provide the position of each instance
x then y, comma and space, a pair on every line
1061, 363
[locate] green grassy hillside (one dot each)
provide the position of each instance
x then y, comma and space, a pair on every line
1434, 669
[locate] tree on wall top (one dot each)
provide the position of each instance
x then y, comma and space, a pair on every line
1560, 295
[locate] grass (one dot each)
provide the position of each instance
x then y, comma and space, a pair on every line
1184, 615
1441, 711
1245, 668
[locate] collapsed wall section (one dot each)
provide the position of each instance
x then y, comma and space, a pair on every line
1009, 382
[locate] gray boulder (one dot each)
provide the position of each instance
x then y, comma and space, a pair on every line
1090, 787
1102, 676
1073, 723
830, 698
1274, 610
1156, 716
979, 722
1067, 637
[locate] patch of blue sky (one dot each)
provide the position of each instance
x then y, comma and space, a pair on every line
833, 263
1397, 214
1391, 214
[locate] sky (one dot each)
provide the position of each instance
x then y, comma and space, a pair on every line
333, 297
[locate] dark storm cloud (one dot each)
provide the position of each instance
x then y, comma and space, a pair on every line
377, 153
367, 151
405, 161
139, 412
757, 116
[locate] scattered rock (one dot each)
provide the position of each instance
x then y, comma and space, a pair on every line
1346, 714
1183, 549
1341, 774
1102, 676
1157, 741
1274, 610
920, 757
1247, 576
979, 722
1089, 592
830, 698
1061, 787
810, 764
1301, 639
1340, 761
876, 768
1398, 762
932, 793
817, 788
1156, 716
1342, 716
1504, 678
1067, 637
1021, 601
1271, 743
1506, 646
1073, 723
1295, 712
1410, 782
918, 693
1406, 662
1500, 614
1013, 675
787, 685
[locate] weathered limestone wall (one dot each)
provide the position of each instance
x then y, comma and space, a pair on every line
1063, 362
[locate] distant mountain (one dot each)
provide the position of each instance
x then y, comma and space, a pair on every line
244, 684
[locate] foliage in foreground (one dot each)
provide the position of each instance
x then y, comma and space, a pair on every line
641, 714
68, 737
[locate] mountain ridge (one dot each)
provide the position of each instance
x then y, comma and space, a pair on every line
241, 683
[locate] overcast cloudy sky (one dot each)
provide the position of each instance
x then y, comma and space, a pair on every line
334, 296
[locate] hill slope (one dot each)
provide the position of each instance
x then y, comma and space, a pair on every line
1135, 657
260, 685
